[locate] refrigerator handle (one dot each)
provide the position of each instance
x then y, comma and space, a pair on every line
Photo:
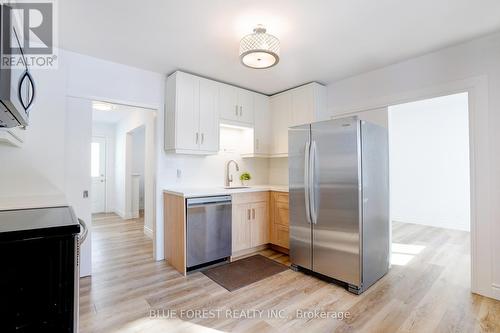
312, 176
307, 163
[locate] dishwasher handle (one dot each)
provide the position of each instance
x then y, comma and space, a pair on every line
192, 202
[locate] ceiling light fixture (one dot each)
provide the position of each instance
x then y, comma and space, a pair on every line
260, 49
100, 106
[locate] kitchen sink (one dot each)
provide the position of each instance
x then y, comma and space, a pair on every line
235, 187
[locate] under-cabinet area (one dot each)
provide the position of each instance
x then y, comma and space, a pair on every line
258, 219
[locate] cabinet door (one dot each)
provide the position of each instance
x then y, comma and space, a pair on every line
281, 214
187, 112
209, 119
241, 231
228, 101
281, 236
259, 223
280, 118
262, 125
302, 106
246, 106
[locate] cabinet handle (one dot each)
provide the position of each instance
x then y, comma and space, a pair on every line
253, 213
236, 110
248, 211
196, 137
202, 137
241, 110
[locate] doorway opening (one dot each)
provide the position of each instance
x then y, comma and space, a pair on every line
430, 187
122, 171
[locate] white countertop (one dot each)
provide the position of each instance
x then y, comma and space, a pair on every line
210, 191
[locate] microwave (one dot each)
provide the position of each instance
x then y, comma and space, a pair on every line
17, 86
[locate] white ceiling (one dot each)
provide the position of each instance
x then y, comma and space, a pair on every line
321, 40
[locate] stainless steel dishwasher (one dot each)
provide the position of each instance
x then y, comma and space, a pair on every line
208, 230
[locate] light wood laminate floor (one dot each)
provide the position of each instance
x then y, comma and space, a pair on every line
428, 291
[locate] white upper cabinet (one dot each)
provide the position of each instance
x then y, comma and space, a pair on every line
298, 106
195, 107
246, 105
228, 101
209, 117
281, 106
191, 117
236, 104
261, 145
308, 104
302, 106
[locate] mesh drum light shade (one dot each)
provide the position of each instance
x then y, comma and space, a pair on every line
260, 49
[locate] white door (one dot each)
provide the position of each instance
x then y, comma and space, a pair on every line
228, 102
209, 117
245, 104
98, 174
280, 119
77, 169
302, 106
262, 125
188, 117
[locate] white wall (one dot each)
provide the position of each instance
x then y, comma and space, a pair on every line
37, 169
40, 168
278, 171
107, 131
138, 159
429, 162
473, 67
124, 158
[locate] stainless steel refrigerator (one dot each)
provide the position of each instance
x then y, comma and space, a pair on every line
339, 200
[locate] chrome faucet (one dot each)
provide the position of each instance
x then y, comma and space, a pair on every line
229, 177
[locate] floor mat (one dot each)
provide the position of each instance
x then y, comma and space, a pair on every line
244, 272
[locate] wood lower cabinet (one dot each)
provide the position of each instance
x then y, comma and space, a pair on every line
250, 226
280, 236
279, 226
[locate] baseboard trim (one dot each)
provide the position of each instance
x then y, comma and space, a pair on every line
251, 251
279, 249
120, 213
148, 232
247, 252
495, 291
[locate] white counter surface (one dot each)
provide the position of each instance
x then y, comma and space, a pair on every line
211, 191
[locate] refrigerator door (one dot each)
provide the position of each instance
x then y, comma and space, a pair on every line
300, 221
335, 167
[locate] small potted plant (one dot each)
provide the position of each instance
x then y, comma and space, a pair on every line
244, 177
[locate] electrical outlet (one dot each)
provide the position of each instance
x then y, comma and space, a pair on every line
85, 194
179, 173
